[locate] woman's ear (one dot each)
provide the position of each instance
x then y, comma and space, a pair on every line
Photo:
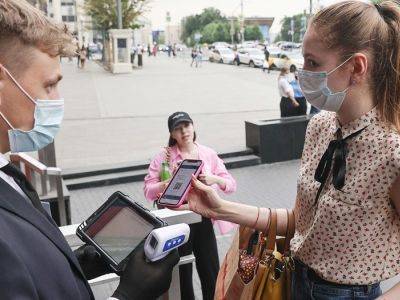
360, 68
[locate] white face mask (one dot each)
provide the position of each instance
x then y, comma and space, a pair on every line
314, 86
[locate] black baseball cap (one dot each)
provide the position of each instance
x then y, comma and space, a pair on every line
176, 118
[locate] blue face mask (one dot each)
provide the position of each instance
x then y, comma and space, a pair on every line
48, 116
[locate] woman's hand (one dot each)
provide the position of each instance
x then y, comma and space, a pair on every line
210, 179
203, 199
295, 103
163, 185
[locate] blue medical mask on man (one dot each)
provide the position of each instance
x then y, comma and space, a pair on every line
48, 116
314, 86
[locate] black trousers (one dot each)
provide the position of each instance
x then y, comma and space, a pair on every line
302, 109
203, 244
289, 110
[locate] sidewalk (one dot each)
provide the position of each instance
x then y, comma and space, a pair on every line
123, 118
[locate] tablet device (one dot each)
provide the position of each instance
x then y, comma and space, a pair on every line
179, 186
117, 228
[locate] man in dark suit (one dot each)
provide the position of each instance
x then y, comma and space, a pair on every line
35, 260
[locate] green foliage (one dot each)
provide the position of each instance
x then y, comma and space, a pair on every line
286, 27
104, 13
216, 31
252, 33
214, 28
198, 22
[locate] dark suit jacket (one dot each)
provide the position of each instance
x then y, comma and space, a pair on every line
35, 259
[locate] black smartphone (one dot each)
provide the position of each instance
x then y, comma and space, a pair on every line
117, 228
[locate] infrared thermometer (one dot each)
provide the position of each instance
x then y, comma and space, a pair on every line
162, 240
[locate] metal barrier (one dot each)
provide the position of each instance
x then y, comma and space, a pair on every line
169, 216
28, 165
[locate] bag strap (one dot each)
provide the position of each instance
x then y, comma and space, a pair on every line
271, 239
290, 229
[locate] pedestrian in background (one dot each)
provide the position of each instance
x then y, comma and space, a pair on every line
140, 51
199, 58
298, 94
155, 50
202, 242
193, 55
288, 105
149, 50
267, 65
82, 57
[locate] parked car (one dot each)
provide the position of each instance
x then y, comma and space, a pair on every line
219, 45
250, 56
162, 47
250, 44
222, 55
278, 60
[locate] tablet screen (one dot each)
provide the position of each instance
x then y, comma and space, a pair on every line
119, 230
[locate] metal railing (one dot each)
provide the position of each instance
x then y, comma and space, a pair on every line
169, 216
50, 179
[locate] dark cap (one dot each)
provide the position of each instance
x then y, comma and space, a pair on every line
176, 118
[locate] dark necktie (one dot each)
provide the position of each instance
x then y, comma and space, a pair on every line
24, 184
336, 154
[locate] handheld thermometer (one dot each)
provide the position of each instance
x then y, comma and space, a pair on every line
162, 240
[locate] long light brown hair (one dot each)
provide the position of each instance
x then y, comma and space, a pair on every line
355, 26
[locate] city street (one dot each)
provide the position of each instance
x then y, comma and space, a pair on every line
123, 118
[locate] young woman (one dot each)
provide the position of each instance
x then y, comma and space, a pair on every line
289, 105
348, 201
182, 145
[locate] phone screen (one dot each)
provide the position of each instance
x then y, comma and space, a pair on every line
180, 182
119, 230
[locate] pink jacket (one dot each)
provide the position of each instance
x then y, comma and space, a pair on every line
212, 165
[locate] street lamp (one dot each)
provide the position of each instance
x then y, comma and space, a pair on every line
119, 14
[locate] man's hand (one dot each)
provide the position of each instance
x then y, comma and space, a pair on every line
91, 262
143, 280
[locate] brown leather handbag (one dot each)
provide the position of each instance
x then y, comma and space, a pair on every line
258, 265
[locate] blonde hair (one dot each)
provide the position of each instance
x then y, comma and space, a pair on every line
21, 24
284, 71
355, 26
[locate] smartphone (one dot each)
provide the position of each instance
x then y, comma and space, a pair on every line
117, 228
179, 186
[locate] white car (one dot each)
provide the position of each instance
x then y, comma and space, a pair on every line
286, 59
250, 56
219, 45
222, 55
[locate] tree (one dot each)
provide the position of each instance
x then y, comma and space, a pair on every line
216, 31
252, 33
104, 13
285, 34
198, 22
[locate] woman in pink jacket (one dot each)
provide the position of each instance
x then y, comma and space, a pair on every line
202, 240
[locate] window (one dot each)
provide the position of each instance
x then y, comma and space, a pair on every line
68, 18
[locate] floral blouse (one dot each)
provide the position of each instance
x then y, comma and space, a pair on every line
351, 235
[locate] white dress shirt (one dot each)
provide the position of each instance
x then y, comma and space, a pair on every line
285, 89
3, 162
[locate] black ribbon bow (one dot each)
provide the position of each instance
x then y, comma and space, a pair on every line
335, 154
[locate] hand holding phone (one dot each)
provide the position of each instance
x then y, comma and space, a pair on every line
177, 190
